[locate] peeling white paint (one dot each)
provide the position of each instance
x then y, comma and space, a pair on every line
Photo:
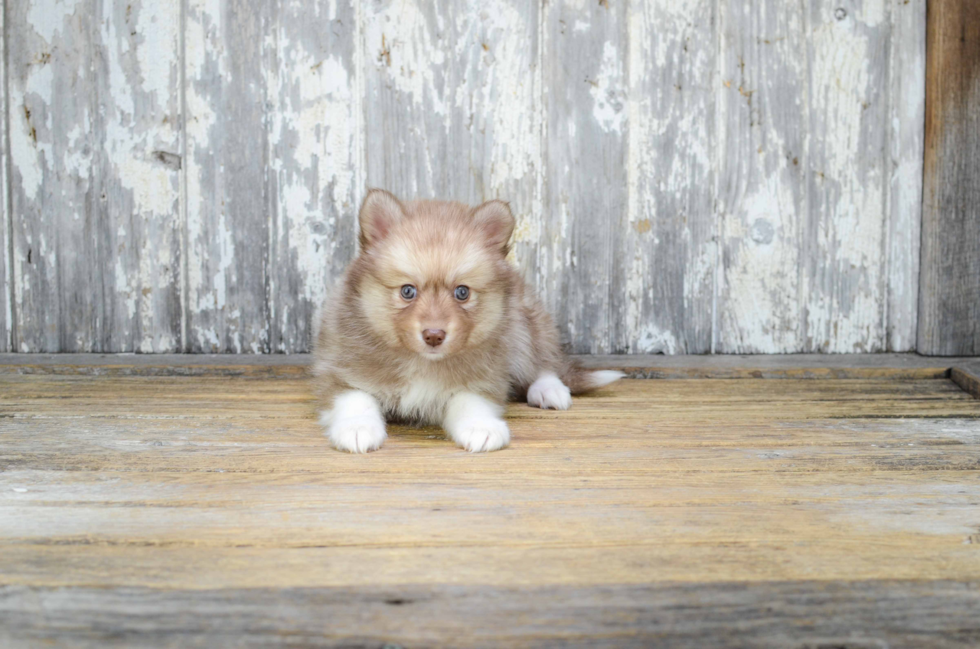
47, 18
26, 155
30, 153
401, 43
654, 341
159, 33
516, 152
607, 90
763, 277
817, 245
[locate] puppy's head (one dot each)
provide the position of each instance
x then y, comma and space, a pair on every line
435, 274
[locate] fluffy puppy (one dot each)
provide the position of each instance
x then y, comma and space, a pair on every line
431, 325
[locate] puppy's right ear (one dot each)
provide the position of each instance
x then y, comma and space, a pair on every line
380, 212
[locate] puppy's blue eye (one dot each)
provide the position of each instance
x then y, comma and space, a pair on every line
462, 293
408, 292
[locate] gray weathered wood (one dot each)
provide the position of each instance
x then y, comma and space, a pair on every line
817, 131
585, 49
450, 100
906, 119
949, 296
762, 177
230, 59
843, 237
94, 135
659, 366
664, 249
901, 613
314, 140
687, 177
6, 311
967, 376
451, 96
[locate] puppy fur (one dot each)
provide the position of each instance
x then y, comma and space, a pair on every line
433, 353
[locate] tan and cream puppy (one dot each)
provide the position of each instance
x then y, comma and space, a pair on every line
432, 325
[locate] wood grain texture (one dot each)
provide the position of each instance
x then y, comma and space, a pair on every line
585, 52
314, 142
762, 184
844, 228
147, 506
967, 376
230, 59
6, 290
94, 142
450, 108
949, 297
807, 614
687, 177
845, 224
812, 217
657, 366
670, 227
906, 149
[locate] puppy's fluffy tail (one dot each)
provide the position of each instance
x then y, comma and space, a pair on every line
579, 380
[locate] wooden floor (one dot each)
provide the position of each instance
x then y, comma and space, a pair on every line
209, 510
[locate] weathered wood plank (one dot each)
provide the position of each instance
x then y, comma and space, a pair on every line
662, 286
585, 54
174, 512
812, 215
6, 312
843, 240
94, 141
840, 366
967, 376
906, 141
230, 59
806, 614
949, 291
314, 140
452, 92
204, 484
762, 167
613, 129
450, 97
292, 400
55, 229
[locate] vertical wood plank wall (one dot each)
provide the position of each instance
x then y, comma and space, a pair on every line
6, 316
689, 176
949, 306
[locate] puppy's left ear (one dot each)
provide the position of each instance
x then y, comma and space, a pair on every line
497, 223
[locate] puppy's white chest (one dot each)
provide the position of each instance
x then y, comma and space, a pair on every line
423, 399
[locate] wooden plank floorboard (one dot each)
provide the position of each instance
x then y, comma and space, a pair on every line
850, 614
967, 376
640, 366
204, 510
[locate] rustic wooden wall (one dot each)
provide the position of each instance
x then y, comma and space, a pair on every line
949, 306
688, 175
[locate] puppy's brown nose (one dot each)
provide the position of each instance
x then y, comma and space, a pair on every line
433, 337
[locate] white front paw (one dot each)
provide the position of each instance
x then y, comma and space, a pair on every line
549, 392
358, 434
481, 434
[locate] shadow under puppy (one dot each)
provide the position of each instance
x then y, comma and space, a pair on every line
432, 325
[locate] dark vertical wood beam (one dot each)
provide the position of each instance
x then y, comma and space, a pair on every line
949, 288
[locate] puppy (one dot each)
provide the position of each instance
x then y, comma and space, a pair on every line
431, 325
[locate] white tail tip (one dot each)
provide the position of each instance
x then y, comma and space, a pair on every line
604, 377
